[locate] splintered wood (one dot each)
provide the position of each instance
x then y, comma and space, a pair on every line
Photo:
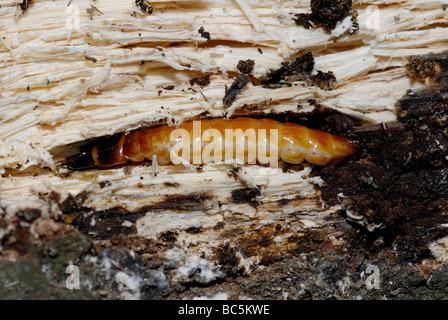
71, 71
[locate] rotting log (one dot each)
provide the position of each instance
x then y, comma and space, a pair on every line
75, 72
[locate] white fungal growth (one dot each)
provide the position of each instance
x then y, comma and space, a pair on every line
189, 264
129, 285
218, 296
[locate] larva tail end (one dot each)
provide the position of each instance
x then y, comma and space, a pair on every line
351, 146
80, 161
343, 148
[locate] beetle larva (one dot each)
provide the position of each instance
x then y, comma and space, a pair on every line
293, 143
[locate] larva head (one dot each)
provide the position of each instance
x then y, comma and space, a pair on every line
109, 152
80, 161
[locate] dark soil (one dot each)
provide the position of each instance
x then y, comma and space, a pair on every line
398, 183
326, 14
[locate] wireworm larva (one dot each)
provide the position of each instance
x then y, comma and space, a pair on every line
292, 143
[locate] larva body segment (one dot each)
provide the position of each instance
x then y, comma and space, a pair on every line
295, 143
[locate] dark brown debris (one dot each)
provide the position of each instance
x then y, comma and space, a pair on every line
203, 33
193, 230
235, 89
428, 104
93, 59
169, 236
299, 70
171, 185
323, 80
246, 66
104, 184
187, 202
295, 70
228, 259
304, 20
144, 6
434, 67
247, 195
104, 224
24, 5
327, 14
203, 82
326, 119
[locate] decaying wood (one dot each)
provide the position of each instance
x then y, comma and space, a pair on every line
73, 71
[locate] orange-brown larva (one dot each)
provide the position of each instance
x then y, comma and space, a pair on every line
295, 143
